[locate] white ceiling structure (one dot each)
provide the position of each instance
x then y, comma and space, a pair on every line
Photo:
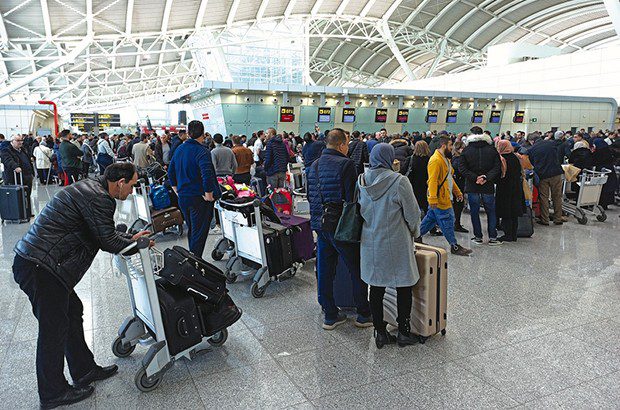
104, 53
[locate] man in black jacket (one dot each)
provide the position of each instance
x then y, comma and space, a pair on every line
358, 152
481, 167
51, 259
16, 161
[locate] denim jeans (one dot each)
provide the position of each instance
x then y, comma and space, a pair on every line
488, 201
442, 217
328, 250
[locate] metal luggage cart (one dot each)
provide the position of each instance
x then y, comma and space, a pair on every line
590, 187
145, 326
249, 256
143, 209
226, 245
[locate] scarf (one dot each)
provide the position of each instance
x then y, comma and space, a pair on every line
504, 147
382, 156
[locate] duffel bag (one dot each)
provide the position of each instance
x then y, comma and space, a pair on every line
195, 275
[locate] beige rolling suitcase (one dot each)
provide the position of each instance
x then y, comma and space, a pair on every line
430, 294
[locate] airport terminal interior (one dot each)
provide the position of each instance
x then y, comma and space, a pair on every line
310, 204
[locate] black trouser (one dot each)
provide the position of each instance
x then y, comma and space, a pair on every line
42, 173
510, 228
73, 174
458, 210
404, 299
61, 332
242, 178
85, 169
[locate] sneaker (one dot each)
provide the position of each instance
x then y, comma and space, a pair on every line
460, 251
331, 324
363, 321
495, 242
460, 228
477, 240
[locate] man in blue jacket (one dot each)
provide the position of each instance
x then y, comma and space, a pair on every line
276, 160
331, 181
192, 177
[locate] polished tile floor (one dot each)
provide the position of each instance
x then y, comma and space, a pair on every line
534, 324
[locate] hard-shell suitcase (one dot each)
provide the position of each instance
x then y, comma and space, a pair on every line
180, 316
278, 240
303, 239
525, 228
14, 202
430, 294
166, 218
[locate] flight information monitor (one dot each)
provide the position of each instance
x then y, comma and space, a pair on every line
402, 116
108, 120
83, 122
325, 114
381, 115
431, 116
287, 114
348, 115
495, 117
519, 116
477, 117
451, 116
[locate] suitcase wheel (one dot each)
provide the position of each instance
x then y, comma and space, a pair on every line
230, 277
216, 255
146, 384
120, 350
219, 338
443, 332
258, 292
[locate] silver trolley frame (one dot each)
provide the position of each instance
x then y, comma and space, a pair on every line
142, 207
248, 245
590, 188
145, 326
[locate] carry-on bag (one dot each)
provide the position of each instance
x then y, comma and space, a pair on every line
160, 197
303, 239
278, 239
166, 218
194, 275
430, 294
282, 200
214, 318
14, 201
180, 316
525, 228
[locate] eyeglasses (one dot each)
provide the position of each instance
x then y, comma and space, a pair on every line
16, 140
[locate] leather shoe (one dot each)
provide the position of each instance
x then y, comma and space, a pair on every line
98, 373
72, 395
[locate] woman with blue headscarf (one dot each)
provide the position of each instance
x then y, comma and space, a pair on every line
603, 158
391, 222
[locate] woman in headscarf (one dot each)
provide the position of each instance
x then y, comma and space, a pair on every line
391, 222
416, 169
603, 158
581, 157
509, 197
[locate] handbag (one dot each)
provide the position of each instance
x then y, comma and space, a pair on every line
349, 227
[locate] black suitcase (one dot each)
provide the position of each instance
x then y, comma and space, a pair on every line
194, 275
278, 246
214, 318
14, 203
180, 317
525, 228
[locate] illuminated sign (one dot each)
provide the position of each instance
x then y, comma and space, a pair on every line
381, 115
518, 118
495, 117
431, 116
348, 115
325, 114
402, 116
86, 122
477, 117
287, 114
451, 116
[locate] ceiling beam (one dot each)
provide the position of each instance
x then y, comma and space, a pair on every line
342, 7
316, 7
201, 14
613, 9
129, 17
233, 11
166, 18
89, 17
289, 8
261, 9
391, 10
46, 20
387, 36
367, 8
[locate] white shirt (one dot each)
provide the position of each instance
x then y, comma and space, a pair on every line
258, 147
103, 147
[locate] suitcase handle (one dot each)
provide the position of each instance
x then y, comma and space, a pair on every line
21, 179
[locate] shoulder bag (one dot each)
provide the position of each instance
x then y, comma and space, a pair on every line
349, 227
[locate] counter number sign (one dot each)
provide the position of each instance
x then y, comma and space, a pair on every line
402, 116
348, 115
519, 116
381, 115
325, 114
287, 114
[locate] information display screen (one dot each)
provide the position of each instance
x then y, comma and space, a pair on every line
477, 117
381, 115
325, 114
431, 116
83, 122
348, 115
519, 116
496, 116
287, 114
108, 120
402, 116
451, 116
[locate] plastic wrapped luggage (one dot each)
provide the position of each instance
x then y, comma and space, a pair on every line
278, 247
525, 228
14, 202
167, 218
430, 294
303, 239
180, 317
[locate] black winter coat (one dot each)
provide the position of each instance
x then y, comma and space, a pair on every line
581, 158
358, 152
509, 198
13, 159
66, 236
603, 158
418, 178
544, 157
480, 158
402, 150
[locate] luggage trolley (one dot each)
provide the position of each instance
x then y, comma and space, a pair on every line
146, 326
248, 250
590, 187
145, 215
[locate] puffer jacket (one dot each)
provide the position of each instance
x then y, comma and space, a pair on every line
544, 157
358, 152
331, 178
71, 229
480, 158
402, 149
276, 156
